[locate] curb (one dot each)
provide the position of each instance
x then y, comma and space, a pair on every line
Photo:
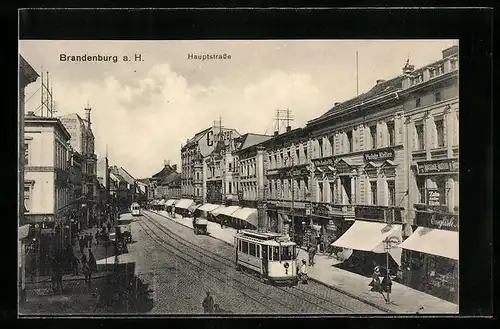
373, 304
71, 279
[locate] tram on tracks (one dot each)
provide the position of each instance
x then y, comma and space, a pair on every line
270, 256
135, 209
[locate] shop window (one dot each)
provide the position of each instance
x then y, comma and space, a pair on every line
373, 192
437, 97
419, 128
349, 141
392, 132
320, 192
373, 135
418, 102
421, 189
391, 192
252, 249
440, 132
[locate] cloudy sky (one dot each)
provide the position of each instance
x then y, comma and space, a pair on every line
144, 110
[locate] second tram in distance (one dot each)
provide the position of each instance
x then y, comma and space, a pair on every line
135, 209
270, 256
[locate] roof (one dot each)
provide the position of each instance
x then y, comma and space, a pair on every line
165, 171
27, 70
55, 121
251, 139
170, 179
126, 176
143, 180
379, 89
197, 136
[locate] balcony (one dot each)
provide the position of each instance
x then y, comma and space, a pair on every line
379, 213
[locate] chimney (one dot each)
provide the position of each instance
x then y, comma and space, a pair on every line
276, 133
288, 128
336, 104
87, 115
453, 50
174, 167
380, 81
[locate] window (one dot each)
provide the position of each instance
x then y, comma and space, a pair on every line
305, 154
349, 140
276, 253
297, 156
418, 102
320, 147
331, 139
437, 97
332, 192
230, 188
440, 132
421, 189
431, 73
391, 131
230, 166
252, 250
26, 154
287, 253
373, 192
441, 187
244, 247
258, 252
239, 245
419, 128
391, 189
320, 192
453, 64
373, 134
27, 197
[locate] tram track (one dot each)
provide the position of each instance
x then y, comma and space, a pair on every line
297, 293
214, 272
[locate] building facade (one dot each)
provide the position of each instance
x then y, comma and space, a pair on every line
46, 185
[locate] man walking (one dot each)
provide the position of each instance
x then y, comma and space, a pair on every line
208, 304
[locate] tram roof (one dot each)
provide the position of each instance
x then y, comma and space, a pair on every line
269, 238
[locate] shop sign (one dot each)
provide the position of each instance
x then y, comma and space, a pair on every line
433, 197
438, 167
324, 162
379, 155
373, 213
440, 221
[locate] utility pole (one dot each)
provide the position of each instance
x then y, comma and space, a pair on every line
283, 116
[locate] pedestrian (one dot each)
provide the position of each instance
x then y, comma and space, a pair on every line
303, 272
311, 253
74, 264
81, 243
92, 262
91, 240
97, 236
208, 304
53, 276
375, 283
84, 259
87, 273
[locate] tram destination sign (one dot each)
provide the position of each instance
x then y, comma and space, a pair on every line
379, 155
438, 167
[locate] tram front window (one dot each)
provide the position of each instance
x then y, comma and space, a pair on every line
287, 253
276, 253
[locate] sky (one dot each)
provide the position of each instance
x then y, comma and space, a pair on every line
144, 110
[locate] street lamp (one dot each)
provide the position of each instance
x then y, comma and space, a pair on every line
389, 243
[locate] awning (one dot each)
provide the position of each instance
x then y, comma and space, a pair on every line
217, 210
209, 207
170, 202
23, 231
184, 203
162, 202
433, 241
122, 259
370, 236
193, 207
247, 214
228, 211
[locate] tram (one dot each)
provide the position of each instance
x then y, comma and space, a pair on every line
135, 209
270, 256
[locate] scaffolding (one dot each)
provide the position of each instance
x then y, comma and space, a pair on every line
47, 106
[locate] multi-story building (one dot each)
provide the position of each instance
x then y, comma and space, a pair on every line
103, 176
27, 75
83, 141
46, 183
202, 162
288, 183
165, 184
431, 107
123, 187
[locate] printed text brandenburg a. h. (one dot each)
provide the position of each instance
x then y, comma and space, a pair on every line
99, 58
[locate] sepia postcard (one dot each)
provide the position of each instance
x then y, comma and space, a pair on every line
238, 177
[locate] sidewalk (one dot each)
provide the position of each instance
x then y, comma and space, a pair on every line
404, 300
